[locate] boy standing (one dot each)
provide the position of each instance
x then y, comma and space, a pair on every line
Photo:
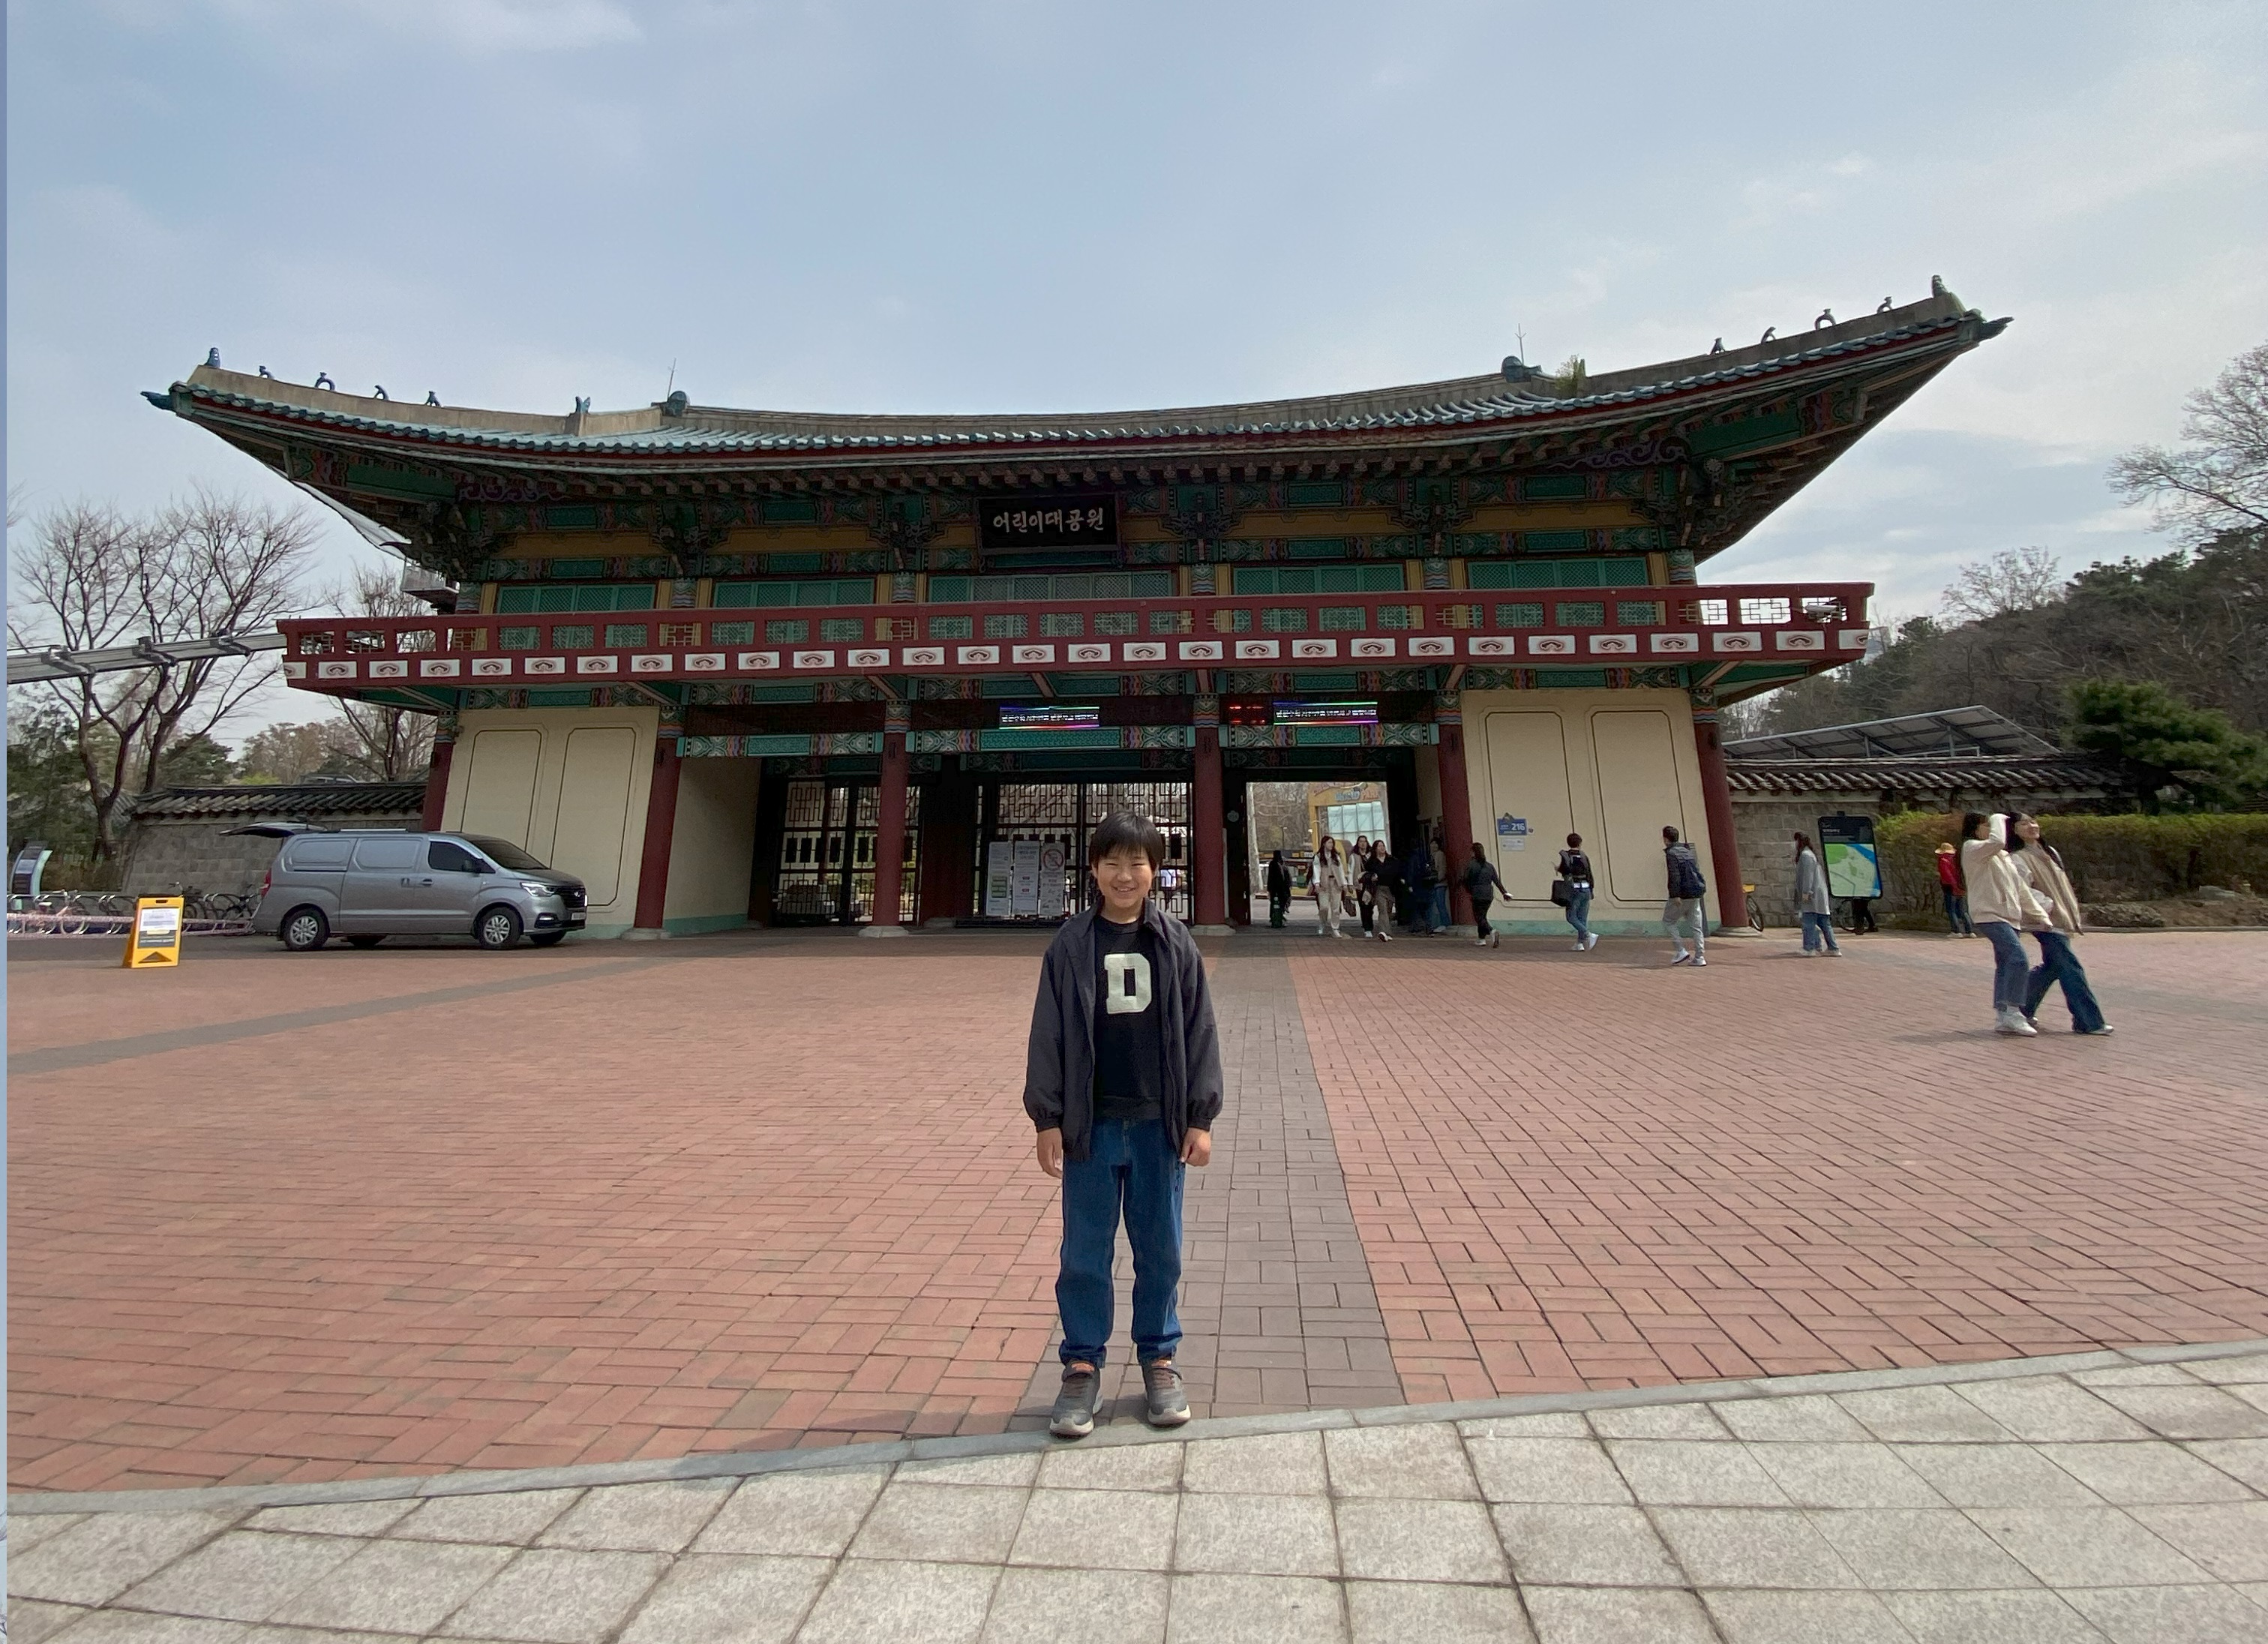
1122, 1082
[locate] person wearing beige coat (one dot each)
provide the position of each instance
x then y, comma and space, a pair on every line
2002, 902
2043, 872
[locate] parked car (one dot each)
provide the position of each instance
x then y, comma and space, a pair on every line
368, 884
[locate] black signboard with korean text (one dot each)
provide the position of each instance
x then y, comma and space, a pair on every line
1009, 522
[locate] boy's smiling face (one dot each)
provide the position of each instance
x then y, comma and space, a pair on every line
1124, 877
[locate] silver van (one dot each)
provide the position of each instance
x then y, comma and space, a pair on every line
368, 884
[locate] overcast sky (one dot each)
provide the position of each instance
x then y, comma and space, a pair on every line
1025, 207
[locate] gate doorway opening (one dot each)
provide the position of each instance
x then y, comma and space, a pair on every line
1032, 839
826, 868
1293, 817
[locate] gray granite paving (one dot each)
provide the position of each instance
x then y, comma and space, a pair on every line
2114, 1499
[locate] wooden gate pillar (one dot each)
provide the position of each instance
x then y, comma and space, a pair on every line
1456, 803
661, 824
1716, 804
1209, 849
890, 827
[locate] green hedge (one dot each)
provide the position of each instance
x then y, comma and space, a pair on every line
2112, 858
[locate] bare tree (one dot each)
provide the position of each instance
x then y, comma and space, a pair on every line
2218, 483
392, 744
94, 578
2014, 579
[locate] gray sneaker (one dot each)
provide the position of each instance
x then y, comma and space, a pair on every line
1164, 1403
1073, 1416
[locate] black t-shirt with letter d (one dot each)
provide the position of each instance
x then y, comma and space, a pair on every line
1128, 1047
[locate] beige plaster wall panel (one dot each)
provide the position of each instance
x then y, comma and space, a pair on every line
1527, 775
712, 847
597, 772
496, 792
582, 796
1636, 769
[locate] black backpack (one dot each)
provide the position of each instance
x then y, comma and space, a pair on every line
1685, 878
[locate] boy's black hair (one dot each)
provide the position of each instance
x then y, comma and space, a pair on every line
1670, 834
1121, 829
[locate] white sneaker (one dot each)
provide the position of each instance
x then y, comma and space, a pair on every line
1684, 958
1698, 961
1579, 946
1590, 942
2011, 1023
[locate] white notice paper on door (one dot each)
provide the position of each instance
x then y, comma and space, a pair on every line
1025, 888
999, 879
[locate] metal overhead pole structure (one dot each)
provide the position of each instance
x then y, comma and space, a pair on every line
25, 667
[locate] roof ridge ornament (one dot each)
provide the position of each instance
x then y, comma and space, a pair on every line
323, 380
212, 358
1885, 306
1770, 332
1826, 319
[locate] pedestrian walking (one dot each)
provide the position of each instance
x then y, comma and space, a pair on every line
1418, 878
1122, 1082
1687, 888
2001, 902
1279, 890
1359, 869
1331, 887
1483, 886
1815, 907
1954, 894
1572, 891
1441, 861
2044, 870
1378, 892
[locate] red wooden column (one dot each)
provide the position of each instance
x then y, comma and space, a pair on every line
890, 827
1209, 846
1456, 802
661, 823
1717, 802
437, 777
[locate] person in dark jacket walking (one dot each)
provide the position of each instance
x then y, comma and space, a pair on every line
1687, 888
1380, 886
1575, 872
1122, 1082
1279, 890
1483, 886
1418, 877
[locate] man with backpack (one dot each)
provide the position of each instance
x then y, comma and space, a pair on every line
1687, 888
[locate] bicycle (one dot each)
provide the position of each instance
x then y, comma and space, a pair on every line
1756, 911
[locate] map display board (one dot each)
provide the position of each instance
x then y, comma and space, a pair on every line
1846, 848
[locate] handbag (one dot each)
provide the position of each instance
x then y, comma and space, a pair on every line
1563, 893
1347, 904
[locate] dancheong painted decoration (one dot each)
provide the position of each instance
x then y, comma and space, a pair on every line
846, 632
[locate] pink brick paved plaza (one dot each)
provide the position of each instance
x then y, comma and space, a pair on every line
279, 1218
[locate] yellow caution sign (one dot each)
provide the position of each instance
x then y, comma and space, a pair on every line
155, 939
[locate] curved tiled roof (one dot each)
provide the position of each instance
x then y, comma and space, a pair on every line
1990, 773
284, 801
675, 427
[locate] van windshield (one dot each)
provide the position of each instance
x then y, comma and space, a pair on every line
507, 855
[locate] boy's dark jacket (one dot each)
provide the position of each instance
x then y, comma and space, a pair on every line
1059, 1067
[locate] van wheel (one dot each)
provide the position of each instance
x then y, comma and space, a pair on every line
304, 930
549, 939
365, 942
496, 929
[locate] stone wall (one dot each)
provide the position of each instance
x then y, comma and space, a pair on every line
168, 854
1768, 855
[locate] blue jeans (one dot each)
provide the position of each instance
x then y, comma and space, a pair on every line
1819, 933
2011, 970
1579, 911
1956, 911
1129, 1166
1441, 907
2059, 964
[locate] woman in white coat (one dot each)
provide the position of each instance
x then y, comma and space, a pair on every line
2002, 902
1330, 885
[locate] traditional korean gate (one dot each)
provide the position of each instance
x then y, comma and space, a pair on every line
1067, 815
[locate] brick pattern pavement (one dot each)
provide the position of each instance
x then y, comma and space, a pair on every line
358, 1215
649, 1211
2103, 1501
1595, 1171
